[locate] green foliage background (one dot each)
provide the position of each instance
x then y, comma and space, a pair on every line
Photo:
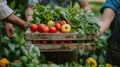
11, 47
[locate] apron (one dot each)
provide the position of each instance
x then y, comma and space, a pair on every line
113, 50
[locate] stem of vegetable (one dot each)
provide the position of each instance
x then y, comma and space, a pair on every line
70, 8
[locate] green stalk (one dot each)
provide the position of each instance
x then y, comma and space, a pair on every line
70, 8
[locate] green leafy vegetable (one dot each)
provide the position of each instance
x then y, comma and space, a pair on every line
76, 17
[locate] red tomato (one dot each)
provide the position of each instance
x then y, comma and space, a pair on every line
45, 29
62, 42
41, 26
34, 27
58, 26
63, 22
53, 29
54, 42
44, 42
35, 41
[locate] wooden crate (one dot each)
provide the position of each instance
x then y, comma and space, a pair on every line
87, 45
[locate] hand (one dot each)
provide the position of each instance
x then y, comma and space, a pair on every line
9, 30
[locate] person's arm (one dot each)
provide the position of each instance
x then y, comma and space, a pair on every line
84, 5
15, 20
105, 21
28, 13
7, 15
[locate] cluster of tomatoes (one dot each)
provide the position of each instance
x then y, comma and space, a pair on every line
51, 27
52, 41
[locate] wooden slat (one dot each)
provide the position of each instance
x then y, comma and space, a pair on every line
87, 44
65, 47
56, 36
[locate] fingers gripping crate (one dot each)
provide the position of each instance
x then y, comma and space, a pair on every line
83, 43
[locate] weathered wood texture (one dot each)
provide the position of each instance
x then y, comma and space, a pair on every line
56, 36
65, 47
89, 45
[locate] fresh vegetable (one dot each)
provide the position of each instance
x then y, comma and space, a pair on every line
30, 56
4, 62
50, 23
63, 22
108, 65
91, 61
34, 27
54, 42
66, 28
40, 27
75, 17
58, 26
35, 41
53, 29
44, 42
62, 42
45, 29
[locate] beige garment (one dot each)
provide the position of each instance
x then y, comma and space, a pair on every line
5, 11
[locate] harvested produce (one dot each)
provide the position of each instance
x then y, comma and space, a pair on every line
82, 23
66, 28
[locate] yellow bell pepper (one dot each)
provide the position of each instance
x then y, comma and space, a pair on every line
4, 62
108, 65
91, 61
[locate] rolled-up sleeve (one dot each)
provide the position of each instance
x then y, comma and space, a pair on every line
112, 4
32, 2
5, 11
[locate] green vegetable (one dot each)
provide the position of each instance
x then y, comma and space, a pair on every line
73, 15
30, 58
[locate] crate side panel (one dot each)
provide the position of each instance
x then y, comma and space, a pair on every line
66, 47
